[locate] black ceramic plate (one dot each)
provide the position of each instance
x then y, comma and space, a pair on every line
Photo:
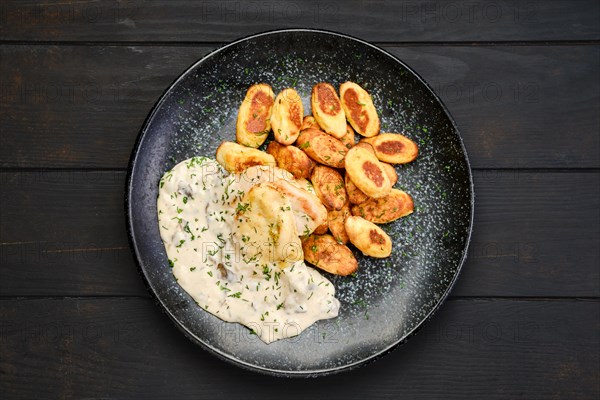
388, 299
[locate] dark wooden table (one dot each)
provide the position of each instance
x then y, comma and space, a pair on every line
521, 79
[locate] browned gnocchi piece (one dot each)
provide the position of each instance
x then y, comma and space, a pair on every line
286, 116
291, 159
359, 109
327, 110
335, 222
329, 187
391, 173
324, 252
322, 147
396, 205
366, 146
367, 173
236, 158
321, 229
309, 122
254, 116
368, 237
393, 148
389, 169
355, 195
348, 138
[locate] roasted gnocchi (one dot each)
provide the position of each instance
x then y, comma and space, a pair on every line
237, 158
324, 252
393, 148
322, 148
343, 188
286, 116
368, 237
254, 115
367, 173
396, 205
327, 110
329, 187
291, 159
359, 109
335, 222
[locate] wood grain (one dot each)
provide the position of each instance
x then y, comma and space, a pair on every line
535, 234
375, 20
125, 348
516, 106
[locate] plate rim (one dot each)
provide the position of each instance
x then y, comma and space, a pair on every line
230, 358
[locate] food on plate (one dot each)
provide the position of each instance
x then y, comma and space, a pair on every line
348, 139
286, 116
390, 171
395, 205
322, 147
236, 158
240, 230
355, 195
367, 173
329, 187
265, 226
335, 223
321, 229
359, 109
368, 237
291, 159
309, 122
366, 146
326, 253
253, 121
218, 257
307, 207
393, 148
327, 109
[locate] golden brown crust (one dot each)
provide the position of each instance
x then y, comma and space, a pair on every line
359, 109
309, 122
291, 159
386, 209
322, 148
237, 158
327, 109
329, 187
321, 229
368, 237
366, 172
324, 252
286, 116
348, 138
335, 221
390, 171
254, 116
366, 146
355, 195
393, 148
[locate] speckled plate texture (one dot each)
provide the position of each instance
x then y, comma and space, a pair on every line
388, 299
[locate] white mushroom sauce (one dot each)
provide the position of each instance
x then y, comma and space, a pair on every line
231, 262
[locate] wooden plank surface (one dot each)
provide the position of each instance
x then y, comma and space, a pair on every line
125, 348
536, 234
516, 106
375, 20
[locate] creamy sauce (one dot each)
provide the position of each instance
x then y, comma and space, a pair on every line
199, 206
